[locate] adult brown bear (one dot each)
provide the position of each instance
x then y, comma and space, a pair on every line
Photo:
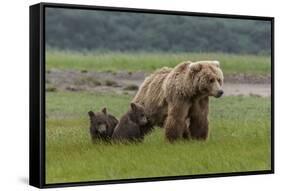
178, 98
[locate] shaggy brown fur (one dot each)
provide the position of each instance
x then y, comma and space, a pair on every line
150, 96
168, 94
132, 125
102, 125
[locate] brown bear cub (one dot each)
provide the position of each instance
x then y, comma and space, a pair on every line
102, 125
132, 125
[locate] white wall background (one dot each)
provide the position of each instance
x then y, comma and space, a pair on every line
14, 88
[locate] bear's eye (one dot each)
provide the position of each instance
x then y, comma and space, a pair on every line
219, 80
212, 80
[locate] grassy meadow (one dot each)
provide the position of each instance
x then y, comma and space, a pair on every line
239, 138
230, 63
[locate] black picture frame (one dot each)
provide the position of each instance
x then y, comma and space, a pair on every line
37, 139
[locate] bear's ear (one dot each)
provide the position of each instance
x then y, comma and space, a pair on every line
134, 107
91, 114
195, 67
187, 62
104, 110
216, 63
182, 66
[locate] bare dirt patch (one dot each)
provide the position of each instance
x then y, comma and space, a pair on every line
237, 89
248, 79
129, 82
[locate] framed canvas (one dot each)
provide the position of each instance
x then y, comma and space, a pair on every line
121, 95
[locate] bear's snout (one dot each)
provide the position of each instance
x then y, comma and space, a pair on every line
102, 129
219, 94
143, 121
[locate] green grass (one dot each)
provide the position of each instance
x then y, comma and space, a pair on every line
230, 63
239, 141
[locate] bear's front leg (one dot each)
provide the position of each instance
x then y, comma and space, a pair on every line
175, 124
186, 133
198, 114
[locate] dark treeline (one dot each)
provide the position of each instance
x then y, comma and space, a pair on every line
81, 30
